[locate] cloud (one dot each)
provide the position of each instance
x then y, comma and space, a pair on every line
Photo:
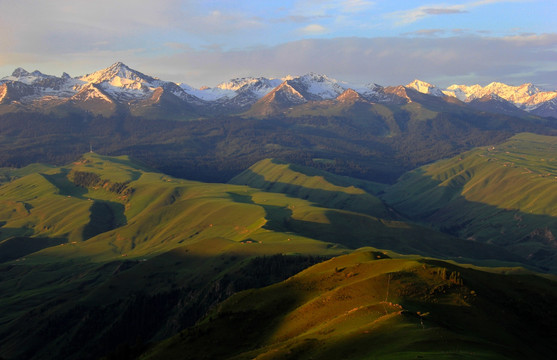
409, 16
330, 7
426, 32
299, 19
219, 22
59, 26
442, 11
353, 6
386, 61
405, 17
313, 29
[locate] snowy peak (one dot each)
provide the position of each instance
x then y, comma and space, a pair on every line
259, 84
26, 77
237, 91
123, 83
20, 72
257, 87
118, 74
501, 88
425, 88
315, 86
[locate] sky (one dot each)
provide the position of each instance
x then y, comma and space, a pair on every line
203, 43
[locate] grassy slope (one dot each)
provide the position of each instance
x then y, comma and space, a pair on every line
355, 217
317, 186
504, 194
369, 305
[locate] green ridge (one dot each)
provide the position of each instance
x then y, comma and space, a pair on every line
505, 194
370, 305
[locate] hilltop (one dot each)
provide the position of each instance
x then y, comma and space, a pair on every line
373, 304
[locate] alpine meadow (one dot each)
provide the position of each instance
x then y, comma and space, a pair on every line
147, 215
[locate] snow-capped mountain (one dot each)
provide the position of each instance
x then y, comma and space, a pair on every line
101, 92
26, 77
526, 96
297, 90
497, 97
315, 86
127, 85
495, 103
25, 87
120, 75
278, 100
254, 87
120, 87
241, 93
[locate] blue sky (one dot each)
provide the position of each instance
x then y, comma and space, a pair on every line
205, 42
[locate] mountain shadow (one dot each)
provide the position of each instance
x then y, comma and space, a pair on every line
116, 309
64, 185
354, 230
104, 216
16, 247
352, 198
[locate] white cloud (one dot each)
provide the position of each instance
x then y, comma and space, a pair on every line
316, 8
219, 22
405, 17
313, 29
387, 61
353, 6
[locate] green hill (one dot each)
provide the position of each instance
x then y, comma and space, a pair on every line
505, 195
376, 305
317, 186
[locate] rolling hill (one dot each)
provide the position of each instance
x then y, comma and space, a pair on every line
504, 194
105, 255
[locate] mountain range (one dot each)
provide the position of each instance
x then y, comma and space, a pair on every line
119, 88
